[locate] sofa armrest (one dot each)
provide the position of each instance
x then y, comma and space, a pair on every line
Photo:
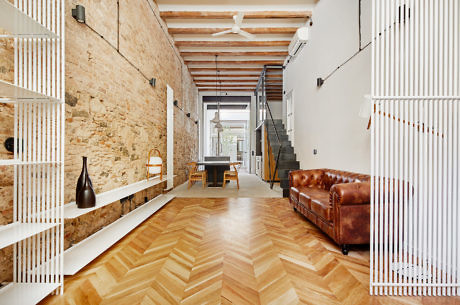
354, 193
301, 177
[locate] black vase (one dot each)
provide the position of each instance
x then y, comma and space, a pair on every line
85, 196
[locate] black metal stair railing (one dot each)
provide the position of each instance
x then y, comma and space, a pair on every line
261, 86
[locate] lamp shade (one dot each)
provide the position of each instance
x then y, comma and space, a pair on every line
216, 118
218, 125
155, 169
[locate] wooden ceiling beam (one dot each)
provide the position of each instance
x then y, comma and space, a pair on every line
264, 30
232, 43
234, 62
230, 14
268, 53
213, 86
227, 81
246, 90
225, 75
230, 84
203, 69
213, 81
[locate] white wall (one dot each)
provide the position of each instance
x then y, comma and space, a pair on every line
276, 109
327, 118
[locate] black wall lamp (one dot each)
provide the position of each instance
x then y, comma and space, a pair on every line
153, 82
79, 13
188, 114
319, 82
176, 103
196, 122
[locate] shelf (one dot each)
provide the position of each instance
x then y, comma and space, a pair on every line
19, 24
72, 211
81, 254
24, 294
8, 90
18, 162
12, 233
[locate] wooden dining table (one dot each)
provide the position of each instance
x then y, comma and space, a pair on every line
216, 171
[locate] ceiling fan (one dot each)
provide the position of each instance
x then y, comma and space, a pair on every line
236, 28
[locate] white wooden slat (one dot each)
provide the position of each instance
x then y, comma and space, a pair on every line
415, 148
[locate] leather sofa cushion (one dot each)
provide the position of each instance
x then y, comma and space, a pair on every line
321, 209
305, 200
296, 191
320, 204
294, 194
306, 194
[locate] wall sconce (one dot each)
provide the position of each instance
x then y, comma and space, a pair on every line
153, 82
196, 122
79, 13
188, 114
175, 103
319, 82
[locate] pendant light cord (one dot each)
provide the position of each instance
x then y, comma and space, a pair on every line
218, 87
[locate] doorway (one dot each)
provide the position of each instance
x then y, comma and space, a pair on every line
290, 116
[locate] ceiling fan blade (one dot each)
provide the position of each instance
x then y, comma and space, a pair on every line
246, 34
239, 19
222, 33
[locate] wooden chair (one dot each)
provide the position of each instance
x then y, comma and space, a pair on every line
196, 175
232, 174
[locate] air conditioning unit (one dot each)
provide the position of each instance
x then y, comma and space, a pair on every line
298, 42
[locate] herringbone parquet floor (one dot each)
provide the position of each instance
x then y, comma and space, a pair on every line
227, 251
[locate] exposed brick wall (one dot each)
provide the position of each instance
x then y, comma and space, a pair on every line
113, 115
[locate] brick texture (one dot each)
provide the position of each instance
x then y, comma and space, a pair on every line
113, 115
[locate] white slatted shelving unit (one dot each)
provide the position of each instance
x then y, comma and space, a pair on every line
87, 250
37, 95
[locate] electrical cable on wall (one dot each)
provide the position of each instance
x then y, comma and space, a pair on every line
400, 19
320, 81
151, 81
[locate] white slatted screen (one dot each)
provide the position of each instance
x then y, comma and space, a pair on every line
415, 217
39, 128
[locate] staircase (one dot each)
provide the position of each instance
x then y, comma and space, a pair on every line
287, 160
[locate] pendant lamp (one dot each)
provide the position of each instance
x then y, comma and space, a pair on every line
216, 118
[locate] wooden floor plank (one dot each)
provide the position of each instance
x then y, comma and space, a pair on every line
227, 251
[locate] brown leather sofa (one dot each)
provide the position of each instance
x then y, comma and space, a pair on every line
338, 202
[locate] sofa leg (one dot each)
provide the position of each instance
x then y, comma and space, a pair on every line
345, 249
295, 209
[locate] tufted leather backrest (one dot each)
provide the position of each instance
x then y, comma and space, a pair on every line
324, 178
310, 178
332, 177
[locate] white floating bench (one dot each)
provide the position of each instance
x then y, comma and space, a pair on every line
72, 211
81, 254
